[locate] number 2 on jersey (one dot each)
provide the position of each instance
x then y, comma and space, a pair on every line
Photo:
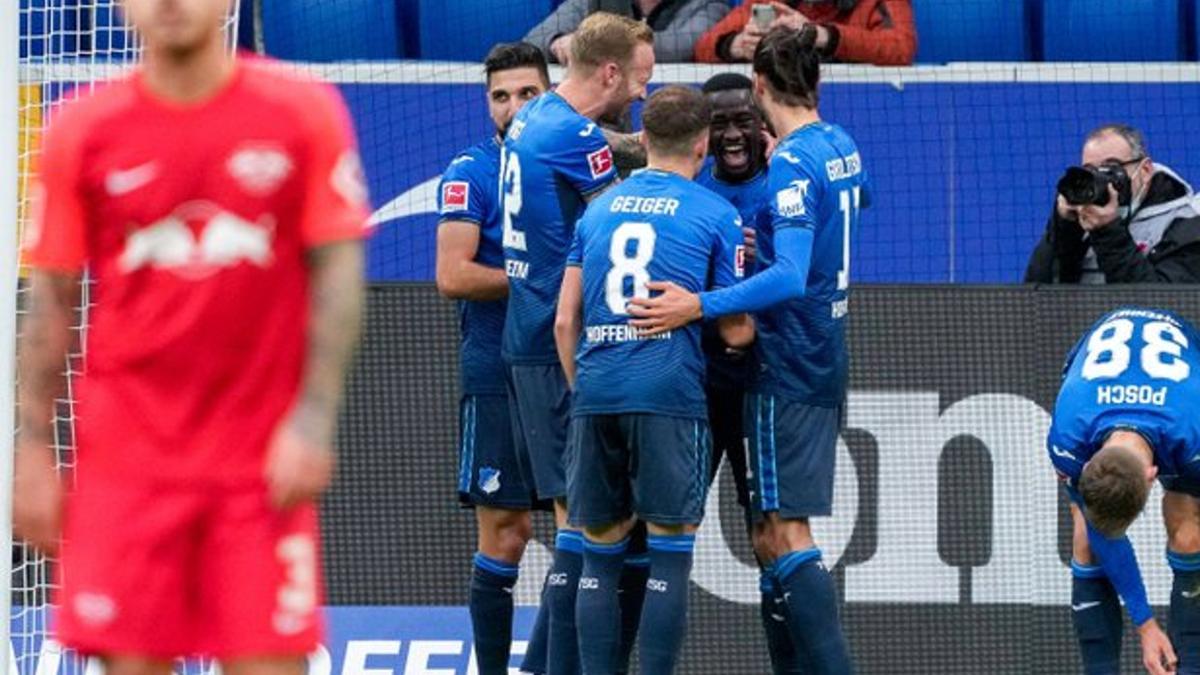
626, 266
510, 198
1109, 355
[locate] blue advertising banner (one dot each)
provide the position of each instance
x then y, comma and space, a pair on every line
963, 173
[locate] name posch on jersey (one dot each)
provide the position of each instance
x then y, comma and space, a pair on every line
620, 332
1118, 394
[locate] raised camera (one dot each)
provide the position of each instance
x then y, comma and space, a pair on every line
1083, 185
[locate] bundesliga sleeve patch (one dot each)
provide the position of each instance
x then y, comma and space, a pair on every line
789, 202
739, 261
600, 161
456, 195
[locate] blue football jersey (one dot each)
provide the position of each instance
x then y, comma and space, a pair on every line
815, 181
1136, 369
752, 201
659, 226
750, 198
553, 159
468, 193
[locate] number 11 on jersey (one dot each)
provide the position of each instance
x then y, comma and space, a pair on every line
849, 202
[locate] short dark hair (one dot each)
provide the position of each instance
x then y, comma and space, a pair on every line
1132, 136
727, 82
792, 65
511, 55
674, 117
1114, 489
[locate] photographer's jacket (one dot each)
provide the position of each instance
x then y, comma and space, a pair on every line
1158, 243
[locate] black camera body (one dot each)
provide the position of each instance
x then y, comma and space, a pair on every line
1084, 185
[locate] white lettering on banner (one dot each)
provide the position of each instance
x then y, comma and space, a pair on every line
420, 651
358, 651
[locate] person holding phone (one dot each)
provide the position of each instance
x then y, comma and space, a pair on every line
881, 32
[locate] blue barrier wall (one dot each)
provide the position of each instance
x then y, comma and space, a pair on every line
963, 173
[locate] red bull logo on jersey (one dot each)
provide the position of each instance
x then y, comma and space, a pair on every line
197, 240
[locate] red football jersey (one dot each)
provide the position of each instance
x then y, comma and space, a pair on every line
193, 222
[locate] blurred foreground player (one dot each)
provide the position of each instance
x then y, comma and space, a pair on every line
639, 433
554, 160
470, 268
1126, 414
799, 297
218, 207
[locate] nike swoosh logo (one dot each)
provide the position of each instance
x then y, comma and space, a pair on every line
121, 182
1062, 453
587, 131
1190, 595
1085, 605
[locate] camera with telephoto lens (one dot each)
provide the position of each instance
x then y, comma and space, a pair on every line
1084, 185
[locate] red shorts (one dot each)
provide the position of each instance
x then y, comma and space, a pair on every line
166, 572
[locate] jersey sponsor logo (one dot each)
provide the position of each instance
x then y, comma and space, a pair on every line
557, 579
456, 196
120, 182
600, 161
1085, 606
587, 131
516, 269
197, 240
589, 584
489, 480
94, 609
259, 168
348, 179
789, 202
841, 168
656, 585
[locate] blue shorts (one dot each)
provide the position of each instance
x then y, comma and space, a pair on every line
792, 449
652, 465
489, 473
540, 405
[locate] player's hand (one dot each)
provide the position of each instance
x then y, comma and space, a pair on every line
788, 17
37, 498
1158, 656
1092, 217
744, 43
672, 308
750, 239
299, 467
561, 48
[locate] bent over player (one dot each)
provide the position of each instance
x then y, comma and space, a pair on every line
554, 160
1126, 414
639, 434
217, 206
470, 267
799, 296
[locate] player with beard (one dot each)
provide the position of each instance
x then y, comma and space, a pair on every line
554, 160
470, 268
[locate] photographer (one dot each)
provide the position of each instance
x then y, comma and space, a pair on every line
1119, 218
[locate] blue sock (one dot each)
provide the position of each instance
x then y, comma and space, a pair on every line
784, 658
491, 605
813, 612
632, 594
1184, 618
664, 614
1096, 615
598, 609
562, 585
539, 638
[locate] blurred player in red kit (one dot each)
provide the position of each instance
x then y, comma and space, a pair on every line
218, 207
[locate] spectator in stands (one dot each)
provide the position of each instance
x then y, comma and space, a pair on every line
677, 24
1155, 238
881, 32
